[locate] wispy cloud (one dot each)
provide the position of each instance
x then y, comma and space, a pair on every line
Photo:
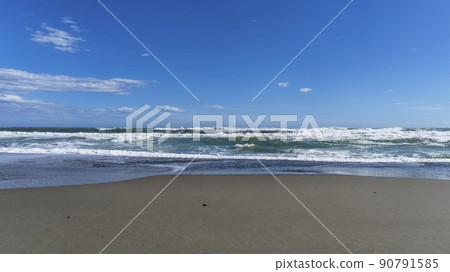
162, 107
145, 54
75, 28
389, 91
170, 108
60, 39
305, 90
283, 84
67, 20
12, 98
72, 24
15, 109
18, 81
13, 105
216, 107
124, 110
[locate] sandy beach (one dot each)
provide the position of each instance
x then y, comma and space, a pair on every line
230, 214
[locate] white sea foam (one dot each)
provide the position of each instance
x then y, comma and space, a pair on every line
339, 144
244, 146
330, 134
304, 155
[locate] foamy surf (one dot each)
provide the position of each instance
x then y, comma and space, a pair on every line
338, 145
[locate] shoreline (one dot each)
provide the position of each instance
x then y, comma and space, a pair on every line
243, 214
33, 171
231, 175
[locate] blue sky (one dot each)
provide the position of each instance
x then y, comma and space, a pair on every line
380, 64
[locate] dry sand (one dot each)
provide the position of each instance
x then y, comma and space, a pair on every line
243, 214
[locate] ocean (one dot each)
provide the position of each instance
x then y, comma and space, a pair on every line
36, 157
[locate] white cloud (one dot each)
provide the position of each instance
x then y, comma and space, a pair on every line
75, 28
145, 54
283, 84
305, 90
128, 110
15, 107
12, 98
60, 39
216, 107
67, 20
12, 104
170, 108
73, 25
124, 110
22, 81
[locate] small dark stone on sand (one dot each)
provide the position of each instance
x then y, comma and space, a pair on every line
374, 192
67, 217
204, 205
